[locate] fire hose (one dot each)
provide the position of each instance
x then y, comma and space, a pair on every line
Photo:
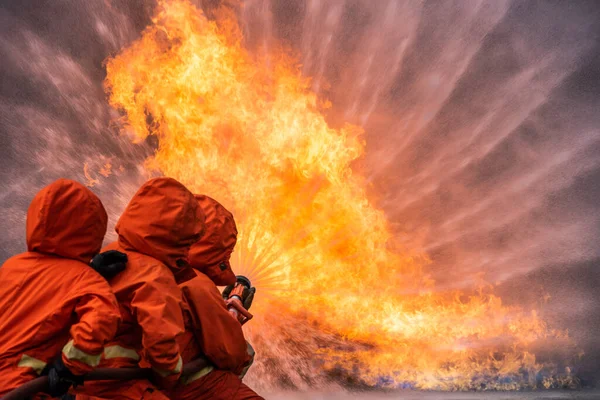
40, 384
236, 296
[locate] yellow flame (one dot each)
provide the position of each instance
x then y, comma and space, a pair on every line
335, 294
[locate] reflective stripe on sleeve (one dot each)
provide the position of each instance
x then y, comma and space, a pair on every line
251, 353
73, 353
33, 363
120, 352
176, 370
250, 350
186, 380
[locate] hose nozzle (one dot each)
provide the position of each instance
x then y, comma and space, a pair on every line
238, 296
241, 279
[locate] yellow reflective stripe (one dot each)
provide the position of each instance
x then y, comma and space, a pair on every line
186, 380
73, 353
33, 363
176, 370
120, 352
250, 350
251, 353
179, 366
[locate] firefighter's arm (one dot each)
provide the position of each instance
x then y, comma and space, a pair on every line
157, 307
220, 335
98, 317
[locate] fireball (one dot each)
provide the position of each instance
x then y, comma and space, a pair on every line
338, 301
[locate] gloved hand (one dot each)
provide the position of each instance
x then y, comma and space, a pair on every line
247, 295
60, 378
109, 263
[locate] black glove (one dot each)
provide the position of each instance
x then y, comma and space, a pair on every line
109, 263
60, 378
247, 295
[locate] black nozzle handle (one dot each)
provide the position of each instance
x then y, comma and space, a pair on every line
241, 279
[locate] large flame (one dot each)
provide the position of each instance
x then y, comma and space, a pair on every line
337, 300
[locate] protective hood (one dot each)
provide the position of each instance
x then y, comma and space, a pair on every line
210, 255
66, 219
162, 220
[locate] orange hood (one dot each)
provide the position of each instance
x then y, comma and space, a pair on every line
66, 219
211, 254
162, 220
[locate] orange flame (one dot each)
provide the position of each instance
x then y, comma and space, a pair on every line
336, 299
90, 181
106, 170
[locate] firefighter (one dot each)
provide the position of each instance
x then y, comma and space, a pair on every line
156, 230
57, 313
210, 330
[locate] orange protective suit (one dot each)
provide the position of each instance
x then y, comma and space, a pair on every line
211, 254
50, 298
156, 231
210, 330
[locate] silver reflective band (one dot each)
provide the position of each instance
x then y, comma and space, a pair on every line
186, 380
120, 352
164, 373
33, 363
251, 353
73, 353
